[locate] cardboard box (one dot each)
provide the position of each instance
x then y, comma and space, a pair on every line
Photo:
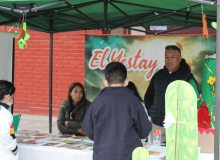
206, 140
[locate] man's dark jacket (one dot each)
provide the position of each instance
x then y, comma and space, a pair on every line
155, 95
116, 121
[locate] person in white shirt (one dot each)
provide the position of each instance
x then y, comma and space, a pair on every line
8, 144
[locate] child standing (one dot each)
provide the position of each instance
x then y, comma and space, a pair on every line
116, 119
8, 144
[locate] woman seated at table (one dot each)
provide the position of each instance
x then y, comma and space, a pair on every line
73, 110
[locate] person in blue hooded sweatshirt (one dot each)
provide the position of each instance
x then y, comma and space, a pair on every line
116, 119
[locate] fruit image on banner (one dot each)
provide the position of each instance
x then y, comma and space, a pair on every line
181, 122
208, 85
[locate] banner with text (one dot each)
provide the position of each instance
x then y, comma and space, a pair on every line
142, 55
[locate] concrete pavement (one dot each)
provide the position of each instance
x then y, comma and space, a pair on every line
37, 123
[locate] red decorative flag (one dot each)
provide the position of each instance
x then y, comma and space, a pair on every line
12, 129
204, 119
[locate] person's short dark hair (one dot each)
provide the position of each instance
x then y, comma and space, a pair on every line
6, 87
115, 73
72, 86
132, 87
173, 47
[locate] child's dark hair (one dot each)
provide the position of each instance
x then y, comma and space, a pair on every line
72, 86
6, 88
132, 87
115, 73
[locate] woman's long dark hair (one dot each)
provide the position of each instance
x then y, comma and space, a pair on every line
72, 86
132, 87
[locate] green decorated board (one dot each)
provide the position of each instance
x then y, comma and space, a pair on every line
208, 86
181, 122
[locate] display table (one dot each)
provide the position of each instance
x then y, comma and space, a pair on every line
38, 146
202, 156
33, 152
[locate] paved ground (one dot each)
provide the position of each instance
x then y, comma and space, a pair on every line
37, 123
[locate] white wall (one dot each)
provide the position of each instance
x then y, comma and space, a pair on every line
6, 53
137, 32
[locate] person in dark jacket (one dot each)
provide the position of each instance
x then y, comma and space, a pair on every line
175, 68
73, 110
116, 120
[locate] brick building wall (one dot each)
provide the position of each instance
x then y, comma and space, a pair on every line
32, 68
31, 77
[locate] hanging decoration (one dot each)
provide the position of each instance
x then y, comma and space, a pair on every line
214, 25
205, 29
23, 35
204, 119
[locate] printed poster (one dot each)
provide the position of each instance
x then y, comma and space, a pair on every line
142, 55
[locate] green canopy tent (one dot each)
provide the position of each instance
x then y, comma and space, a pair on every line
54, 16
104, 14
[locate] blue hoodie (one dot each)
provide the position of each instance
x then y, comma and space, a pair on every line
116, 121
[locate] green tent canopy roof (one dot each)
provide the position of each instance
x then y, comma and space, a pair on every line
75, 15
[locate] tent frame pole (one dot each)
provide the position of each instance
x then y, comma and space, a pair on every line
136, 29
195, 25
105, 15
67, 7
149, 31
61, 20
146, 19
51, 76
71, 16
161, 9
217, 97
142, 20
33, 9
192, 18
30, 24
88, 18
48, 12
13, 72
26, 22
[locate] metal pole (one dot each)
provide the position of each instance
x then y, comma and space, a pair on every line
33, 25
51, 75
45, 6
199, 24
67, 7
217, 97
203, 2
13, 71
105, 14
149, 31
91, 20
61, 20
9, 9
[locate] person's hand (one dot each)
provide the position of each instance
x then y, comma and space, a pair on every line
66, 123
81, 131
15, 152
